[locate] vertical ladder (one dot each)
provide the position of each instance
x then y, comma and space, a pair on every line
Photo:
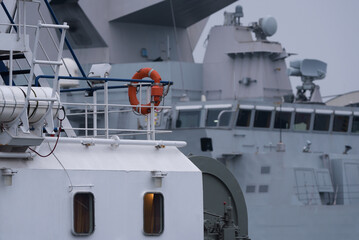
22, 119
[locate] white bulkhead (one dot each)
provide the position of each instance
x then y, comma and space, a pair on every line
40, 201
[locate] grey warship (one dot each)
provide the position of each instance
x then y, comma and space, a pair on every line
296, 158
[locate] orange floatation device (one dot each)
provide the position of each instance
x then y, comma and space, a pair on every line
156, 90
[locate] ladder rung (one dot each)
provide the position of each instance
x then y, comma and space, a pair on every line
44, 99
47, 62
14, 56
16, 72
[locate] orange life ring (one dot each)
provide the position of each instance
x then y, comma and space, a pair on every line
156, 90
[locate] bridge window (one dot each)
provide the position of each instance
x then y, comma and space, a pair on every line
84, 214
262, 119
340, 123
282, 120
213, 117
244, 118
355, 127
153, 214
321, 122
188, 119
302, 121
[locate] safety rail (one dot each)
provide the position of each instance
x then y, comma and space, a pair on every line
150, 132
89, 109
164, 83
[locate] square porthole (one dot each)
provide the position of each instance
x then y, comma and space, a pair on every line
263, 188
250, 188
265, 170
83, 213
153, 216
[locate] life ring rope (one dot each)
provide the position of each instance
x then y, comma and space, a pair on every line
156, 90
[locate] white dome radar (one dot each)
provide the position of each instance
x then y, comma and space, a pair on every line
268, 25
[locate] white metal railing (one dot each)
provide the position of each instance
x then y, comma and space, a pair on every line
93, 109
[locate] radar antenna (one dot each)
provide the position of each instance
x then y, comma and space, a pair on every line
265, 27
309, 70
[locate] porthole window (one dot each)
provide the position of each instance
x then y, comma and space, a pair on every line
84, 214
153, 213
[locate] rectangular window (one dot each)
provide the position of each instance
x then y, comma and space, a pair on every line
263, 188
153, 213
355, 127
302, 121
340, 123
282, 120
250, 188
265, 170
321, 122
244, 118
262, 119
188, 119
217, 115
84, 214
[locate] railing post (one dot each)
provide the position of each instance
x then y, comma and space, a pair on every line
106, 107
153, 120
10, 67
148, 118
86, 122
94, 113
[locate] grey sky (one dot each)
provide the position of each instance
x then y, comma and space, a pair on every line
326, 30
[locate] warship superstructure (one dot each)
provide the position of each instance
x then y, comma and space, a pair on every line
296, 158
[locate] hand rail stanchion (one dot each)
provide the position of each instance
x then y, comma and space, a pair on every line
148, 118
106, 107
86, 121
10, 67
153, 120
94, 95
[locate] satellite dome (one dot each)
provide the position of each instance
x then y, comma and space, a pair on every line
268, 25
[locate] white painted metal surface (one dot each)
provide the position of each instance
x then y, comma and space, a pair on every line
12, 101
118, 177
